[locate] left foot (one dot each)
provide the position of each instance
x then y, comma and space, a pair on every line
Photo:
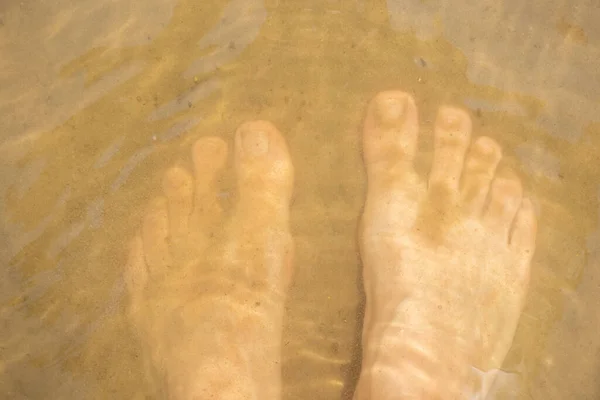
206, 296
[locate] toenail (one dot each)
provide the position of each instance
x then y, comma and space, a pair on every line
390, 109
255, 142
451, 119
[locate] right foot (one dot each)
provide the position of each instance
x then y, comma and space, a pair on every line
446, 262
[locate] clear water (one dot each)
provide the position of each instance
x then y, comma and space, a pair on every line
97, 97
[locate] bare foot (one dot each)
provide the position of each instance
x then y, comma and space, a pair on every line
446, 262
207, 295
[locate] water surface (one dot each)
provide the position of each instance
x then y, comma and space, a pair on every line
97, 97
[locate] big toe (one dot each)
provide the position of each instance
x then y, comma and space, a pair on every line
390, 135
264, 170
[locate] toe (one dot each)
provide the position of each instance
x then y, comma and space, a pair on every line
480, 166
390, 134
178, 188
155, 235
136, 273
264, 169
524, 230
504, 201
209, 155
451, 139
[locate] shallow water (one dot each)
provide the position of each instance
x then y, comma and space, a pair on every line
97, 97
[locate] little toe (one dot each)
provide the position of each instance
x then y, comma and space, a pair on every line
390, 135
264, 169
179, 190
452, 136
155, 236
524, 230
209, 155
479, 169
504, 201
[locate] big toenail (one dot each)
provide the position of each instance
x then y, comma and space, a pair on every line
255, 142
451, 119
390, 110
